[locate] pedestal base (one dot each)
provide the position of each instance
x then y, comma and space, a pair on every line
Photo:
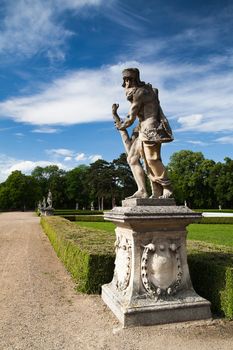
151, 283
146, 312
47, 212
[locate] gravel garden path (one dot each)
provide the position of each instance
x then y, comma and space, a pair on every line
39, 308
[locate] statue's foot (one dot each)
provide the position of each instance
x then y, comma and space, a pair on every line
157, 190
167, 193
138, 194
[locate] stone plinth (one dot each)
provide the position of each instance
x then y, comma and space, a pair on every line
47, 211
151, 282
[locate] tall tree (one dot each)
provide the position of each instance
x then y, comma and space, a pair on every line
189, 173
52, 178
19, 192
77, 187
102, 183
124, 179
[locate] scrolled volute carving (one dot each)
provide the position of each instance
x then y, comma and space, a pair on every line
122, 270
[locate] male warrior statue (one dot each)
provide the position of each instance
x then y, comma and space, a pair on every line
145, 142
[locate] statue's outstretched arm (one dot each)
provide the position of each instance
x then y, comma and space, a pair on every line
118, 123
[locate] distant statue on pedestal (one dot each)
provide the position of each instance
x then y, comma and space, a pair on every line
44, 203
50, 199
145, 142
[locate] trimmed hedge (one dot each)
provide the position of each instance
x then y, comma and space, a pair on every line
63, 212
214, 210
217, 220
86, 218
211, 270
88, 254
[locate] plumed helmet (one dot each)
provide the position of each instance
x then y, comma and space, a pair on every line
132, 73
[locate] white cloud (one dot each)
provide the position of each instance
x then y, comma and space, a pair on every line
9, 164
19, 134
190, 121
31, 27
67, 159
26, 166
46, 130
89, 159
225, 140
80, 156
198, 143
198, 97
93, 158
60, 152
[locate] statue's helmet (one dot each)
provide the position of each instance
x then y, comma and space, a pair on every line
132, 73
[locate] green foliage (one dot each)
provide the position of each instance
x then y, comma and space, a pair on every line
87, 218
77, 187
123, 177
189, 172
213, 210
102, 183
77, 212
90, 218
18, 192
106, 226
216, 234
201, 182
51, 178
87, 254
212, 275
217, 220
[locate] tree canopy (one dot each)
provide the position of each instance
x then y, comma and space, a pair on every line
201, 182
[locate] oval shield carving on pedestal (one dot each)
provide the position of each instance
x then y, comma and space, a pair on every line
161, 270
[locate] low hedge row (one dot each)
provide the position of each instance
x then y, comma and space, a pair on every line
217, 220
62, 212
211, 270
88, 254
87, 218
214, 210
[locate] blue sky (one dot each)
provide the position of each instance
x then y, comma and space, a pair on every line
60, 70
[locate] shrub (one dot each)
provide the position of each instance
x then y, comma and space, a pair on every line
62, 212
217, 220
87, 254
86, 218
211, 270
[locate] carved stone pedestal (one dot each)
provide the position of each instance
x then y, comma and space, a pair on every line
151, 282
47, 211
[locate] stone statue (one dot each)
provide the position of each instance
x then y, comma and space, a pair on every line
49, 199
145, 142
43, 203
39, 205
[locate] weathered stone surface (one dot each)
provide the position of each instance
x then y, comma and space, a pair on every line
132, 202
151, 282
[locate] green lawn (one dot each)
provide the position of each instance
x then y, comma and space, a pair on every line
106, 226
210, 233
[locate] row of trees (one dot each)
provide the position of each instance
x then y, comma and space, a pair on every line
202, 183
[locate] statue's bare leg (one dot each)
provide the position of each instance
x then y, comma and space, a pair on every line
161, 186
137, 170
157, 190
